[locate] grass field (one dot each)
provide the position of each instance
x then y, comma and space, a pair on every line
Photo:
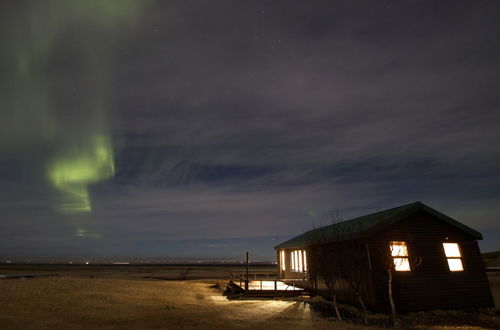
85, 297
495, 287
123, 299
492, 259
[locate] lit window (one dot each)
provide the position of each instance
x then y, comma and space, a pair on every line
399, 253
296, 257
282, 259
298, 261
454, 257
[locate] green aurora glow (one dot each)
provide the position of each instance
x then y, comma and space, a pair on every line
79, 148
75, 169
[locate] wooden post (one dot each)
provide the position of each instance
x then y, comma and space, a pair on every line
275, 285
246, 279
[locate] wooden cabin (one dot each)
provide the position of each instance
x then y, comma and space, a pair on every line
432, 261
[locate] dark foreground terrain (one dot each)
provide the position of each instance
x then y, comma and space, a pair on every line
180, 297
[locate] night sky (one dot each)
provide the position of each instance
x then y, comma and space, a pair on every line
195, 130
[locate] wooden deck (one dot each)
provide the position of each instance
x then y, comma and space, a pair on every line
263, 289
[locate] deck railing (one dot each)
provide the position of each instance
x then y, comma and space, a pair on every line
255, 276
257, 284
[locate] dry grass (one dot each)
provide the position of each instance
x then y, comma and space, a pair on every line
494, 279
96, 303
492, 259
437, 319
166, 272
122, 298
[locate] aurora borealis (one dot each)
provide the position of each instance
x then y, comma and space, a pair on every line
190, 129
74, 171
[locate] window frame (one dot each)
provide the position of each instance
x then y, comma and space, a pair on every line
459, 257
405, 258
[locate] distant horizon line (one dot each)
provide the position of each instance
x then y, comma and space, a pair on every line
119, 264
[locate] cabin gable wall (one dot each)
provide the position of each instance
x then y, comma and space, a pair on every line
430, 284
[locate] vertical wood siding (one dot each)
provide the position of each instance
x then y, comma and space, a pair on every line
430, 285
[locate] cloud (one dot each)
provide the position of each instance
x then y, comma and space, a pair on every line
260, 119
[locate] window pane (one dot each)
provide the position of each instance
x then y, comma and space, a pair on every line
305, 261
282, 259
292, 259
399, 249
296, 254
451, 250
299, 253
455, 265
401, 264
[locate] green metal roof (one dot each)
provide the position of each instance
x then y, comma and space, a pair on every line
370, 224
